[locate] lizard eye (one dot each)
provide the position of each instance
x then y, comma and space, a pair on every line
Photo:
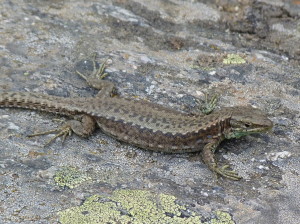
247, 125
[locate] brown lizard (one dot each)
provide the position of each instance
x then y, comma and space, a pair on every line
144, 124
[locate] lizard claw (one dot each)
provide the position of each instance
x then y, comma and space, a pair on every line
225, 172
63, 132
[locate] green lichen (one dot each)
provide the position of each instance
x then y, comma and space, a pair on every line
26, 73
222, 218
135, 207
129, 206
168, 203
233, 59
70, 177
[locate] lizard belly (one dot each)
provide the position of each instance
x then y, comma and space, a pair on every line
153, 140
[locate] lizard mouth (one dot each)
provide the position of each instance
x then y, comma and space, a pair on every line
240, 132
258, 130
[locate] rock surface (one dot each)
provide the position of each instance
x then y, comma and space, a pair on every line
169, 52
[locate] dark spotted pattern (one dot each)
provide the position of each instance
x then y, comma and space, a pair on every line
36, 101
145, 124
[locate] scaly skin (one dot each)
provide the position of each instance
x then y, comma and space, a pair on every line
144, 124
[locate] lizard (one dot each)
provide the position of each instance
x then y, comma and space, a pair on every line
144, 124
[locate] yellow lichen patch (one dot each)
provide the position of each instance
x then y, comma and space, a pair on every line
136, 207
222, 218
233, 59
129, 206
168, 203
69, 177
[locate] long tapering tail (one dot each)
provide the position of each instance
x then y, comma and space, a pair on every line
41, 102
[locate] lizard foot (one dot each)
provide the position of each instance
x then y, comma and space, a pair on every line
81, 125
225, 172
63, 132
95, 80
210, 105
97, 73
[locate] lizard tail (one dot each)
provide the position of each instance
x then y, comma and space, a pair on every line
40, 102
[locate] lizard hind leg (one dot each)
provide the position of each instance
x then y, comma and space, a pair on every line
95, 80
82, 125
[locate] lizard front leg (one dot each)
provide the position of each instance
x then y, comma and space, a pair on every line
82, 125
210, 105
209, 160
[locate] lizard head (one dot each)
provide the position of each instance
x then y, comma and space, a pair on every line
247, 120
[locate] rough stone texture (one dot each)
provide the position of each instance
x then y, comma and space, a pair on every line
170, 52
